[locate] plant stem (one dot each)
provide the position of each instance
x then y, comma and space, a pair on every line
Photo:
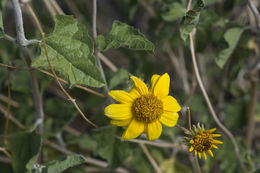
212, 111
22, 42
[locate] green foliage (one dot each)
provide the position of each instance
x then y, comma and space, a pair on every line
173, 11
23, 146
232, 37
191, 20
118, 78
113, 150
57, 166
71, 51
123, 35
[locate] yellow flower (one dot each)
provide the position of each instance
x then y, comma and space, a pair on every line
142, 109
203, 142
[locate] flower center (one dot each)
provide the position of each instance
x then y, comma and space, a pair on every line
202, 142
147, 108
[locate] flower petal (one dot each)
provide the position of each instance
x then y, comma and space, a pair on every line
134, 93
154, 80
161, 88
205, 156
170, 104
169, 118
154, 130
210, 153
134, 129
118, 111
121, 122
121, 96
140, 85
191, 149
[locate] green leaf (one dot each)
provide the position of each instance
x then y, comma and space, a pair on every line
191, 19
71, 52
118, 78
112, 149
57, 166
123, 35
23, 146
173, 11
232, 37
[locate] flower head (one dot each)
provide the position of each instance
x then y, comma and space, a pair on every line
202, 141
142, 109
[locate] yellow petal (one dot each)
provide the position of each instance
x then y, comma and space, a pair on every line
169, 118
191, 141
161, 88
170, 104
199, 155
191, 149
134, 93
210, 153
154, 130
140, 85
121, 96
217, 142
216, 135
212, 130
120, 122
205, 156
214, 146
153, 82
195, 152
134, 129
118, 111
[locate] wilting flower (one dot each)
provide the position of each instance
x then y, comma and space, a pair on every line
202, 141
142, 109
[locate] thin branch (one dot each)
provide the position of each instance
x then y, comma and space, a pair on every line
50, 8
77, 86
255, 12
56, 7
107, 62
22, 42
94, 30
212, 111
8, 108
5, 152
12, 102
150, 158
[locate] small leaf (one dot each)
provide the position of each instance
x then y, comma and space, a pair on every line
173, 11
123, 35
57, 166
23, 147
232, 37
71, 52
191, 19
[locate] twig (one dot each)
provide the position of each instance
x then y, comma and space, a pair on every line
12, 102
194, 159
22, 42
8, 108
94, 30
73, 101
88, 160
77, 86
212, 111
15, 104
56, 6
251, 114
50, 8
5, 160
150, 158
255, 12
11, 117
107, 62
5, 152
